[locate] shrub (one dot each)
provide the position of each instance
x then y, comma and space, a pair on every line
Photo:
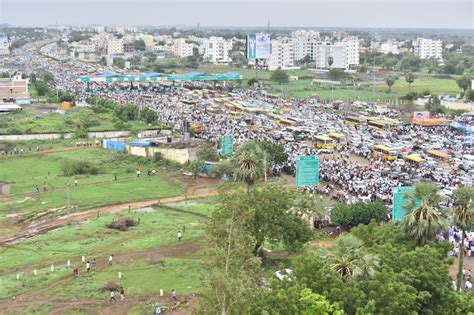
111, 285
352, 215
70, 168
121, 224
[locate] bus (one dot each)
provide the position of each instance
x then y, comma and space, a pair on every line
414, 160
377, 125
338, 137
324, 142
352, 120
385, 152
438, 155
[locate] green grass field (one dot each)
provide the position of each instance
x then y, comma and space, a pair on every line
435, 86
143, 274
28, 121
24, 173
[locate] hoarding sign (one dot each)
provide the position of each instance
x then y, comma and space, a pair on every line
262, 46
251, 46
227, 145
399, 202
307, 171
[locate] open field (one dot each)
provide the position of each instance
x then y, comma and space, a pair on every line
148, 255
25, 173
48, 121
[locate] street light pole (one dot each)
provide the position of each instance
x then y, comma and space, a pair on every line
68, 203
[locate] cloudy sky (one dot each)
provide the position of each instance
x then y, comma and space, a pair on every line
306, 13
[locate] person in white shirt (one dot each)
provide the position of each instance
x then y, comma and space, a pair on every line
111, 257
88, 266
180, 235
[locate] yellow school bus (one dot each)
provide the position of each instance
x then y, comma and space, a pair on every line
324, 142
438, 155
352, 120
385, 152
378, 125
337, 136
414, 159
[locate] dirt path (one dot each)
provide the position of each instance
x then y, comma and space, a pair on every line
43, 226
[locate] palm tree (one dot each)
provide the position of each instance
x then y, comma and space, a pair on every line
463, 219
410, 78
249, 168
349, 260
425, 221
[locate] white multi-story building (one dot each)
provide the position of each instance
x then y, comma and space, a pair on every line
282, 54
426, 48
114, 46
389, 46
149, 42
351, 51
216, 49
181, 49
303, 42
4, 45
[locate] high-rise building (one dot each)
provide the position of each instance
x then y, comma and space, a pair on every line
114, 46
181, 49
4, 45
216, 49
282, 55
426, 48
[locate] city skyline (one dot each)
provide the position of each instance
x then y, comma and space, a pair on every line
454, 14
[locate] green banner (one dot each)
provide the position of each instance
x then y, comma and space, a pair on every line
307, 171
227, 145
399, 202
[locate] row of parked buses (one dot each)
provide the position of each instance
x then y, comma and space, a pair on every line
372, 123
391, 154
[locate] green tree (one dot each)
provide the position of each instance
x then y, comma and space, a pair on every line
139, 45
249, 168
409, 78
352, 215
306, 60
280, 76
207, 152
252, 81
276, 152
469, 95
196, 167
41, 88
119, 62
463, 219
48, 77
424, 222
337, 74
464, 82
232, 269
317, 304
390, 81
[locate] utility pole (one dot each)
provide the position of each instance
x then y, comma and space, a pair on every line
68, 202
265, 165
373, 83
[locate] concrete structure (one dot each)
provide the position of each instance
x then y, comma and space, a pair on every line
216, 49
282, 54
149, 42
4, 188
114, 46
176, 151
13, 88
128, 44
389, 46
426, 48
303, 42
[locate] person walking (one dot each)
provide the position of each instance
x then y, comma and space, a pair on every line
122, 294
75, 182
111, 257
88, 266
158, 310
112, 296
180, 235
173, 295
94, 264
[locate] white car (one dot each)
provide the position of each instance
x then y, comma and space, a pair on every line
284, 274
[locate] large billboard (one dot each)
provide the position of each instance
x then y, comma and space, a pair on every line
417, 116
258, 46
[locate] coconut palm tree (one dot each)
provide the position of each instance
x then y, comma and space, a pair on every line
248, 168
425, 221
463, 219
349, 260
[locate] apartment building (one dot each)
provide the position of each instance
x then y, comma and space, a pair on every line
115, 46
216, 49
282, 54
389, 46
426, 48
303, 42
181, 49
